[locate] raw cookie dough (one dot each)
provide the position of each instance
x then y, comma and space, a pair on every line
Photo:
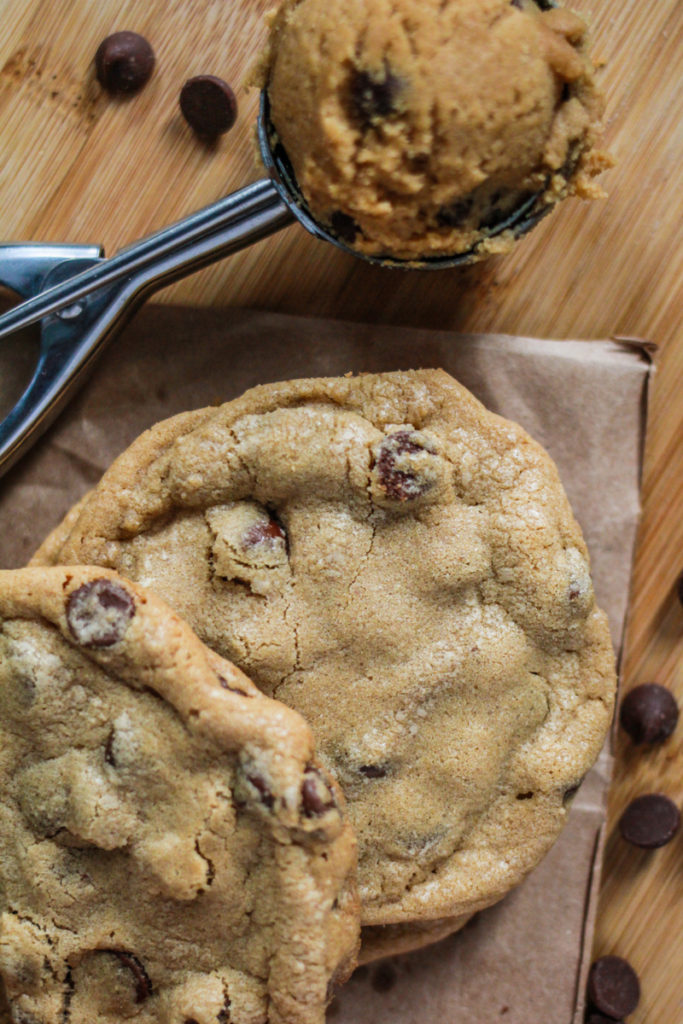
416, 127
402, 567
170, 850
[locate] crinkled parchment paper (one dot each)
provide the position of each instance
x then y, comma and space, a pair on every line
523, 961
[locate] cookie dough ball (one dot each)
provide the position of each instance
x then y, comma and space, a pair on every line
415, 128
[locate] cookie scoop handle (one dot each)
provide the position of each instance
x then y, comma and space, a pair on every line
231, 224
81, 298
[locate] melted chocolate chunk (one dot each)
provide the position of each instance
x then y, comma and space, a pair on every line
344, 227
373, 771
124, 62
98, 613
260, 784
269, 529
456, 214
315, 796
650, 821
373, 97
613, 987
649, 713
399, 484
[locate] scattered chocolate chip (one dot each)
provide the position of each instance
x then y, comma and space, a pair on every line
143, 986
99, 612
374, 97
650, 821
190, 1020
399, 484
383, 978
344, 227
224, 1014
124, 62
209, 105
260, 784
315, 795
525, 796
455, 214
649, 713
269, 529
613, 987
373, 771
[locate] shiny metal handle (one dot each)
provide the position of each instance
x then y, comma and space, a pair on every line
92, 304
213, 232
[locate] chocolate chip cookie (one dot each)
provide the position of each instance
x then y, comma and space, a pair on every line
403, 568
421, 127
171, 850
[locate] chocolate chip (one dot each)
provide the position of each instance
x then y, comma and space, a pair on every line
268, 529
384, 978
143, 986
99, 612
209, 105
124, 62
344, 227
399, 484
315, 795
649, 713
613, 987
374, 97
261, 786
650, 821
373, 771
525, 796
454, 215
224, 1014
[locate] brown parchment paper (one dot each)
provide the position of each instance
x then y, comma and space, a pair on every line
523, 961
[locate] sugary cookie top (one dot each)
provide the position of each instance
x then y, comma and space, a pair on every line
402, 567
416, 127
170, 848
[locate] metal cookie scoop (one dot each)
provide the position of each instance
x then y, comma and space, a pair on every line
81, 298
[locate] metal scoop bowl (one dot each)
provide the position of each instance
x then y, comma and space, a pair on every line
81, 299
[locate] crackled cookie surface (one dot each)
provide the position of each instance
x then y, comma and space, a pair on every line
403, 568
417, 127
170, 849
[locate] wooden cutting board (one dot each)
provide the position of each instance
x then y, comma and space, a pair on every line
77, 166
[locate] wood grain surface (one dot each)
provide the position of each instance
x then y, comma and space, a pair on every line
78, 166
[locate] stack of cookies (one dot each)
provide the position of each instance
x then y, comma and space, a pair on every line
318, 664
